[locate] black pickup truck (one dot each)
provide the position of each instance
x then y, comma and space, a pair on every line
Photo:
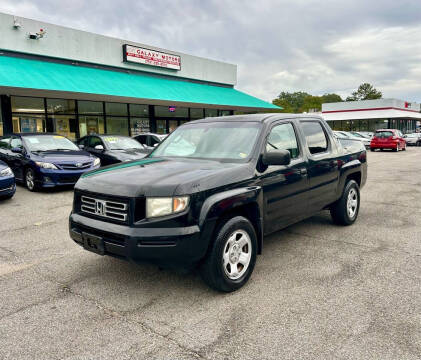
211, 191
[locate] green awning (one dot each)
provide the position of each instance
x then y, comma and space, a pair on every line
51, 76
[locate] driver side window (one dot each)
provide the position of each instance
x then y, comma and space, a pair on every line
282, 137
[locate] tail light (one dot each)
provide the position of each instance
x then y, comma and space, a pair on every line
394, 137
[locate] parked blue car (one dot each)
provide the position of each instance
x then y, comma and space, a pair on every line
45, 160
7, 181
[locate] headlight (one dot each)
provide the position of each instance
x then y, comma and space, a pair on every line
46, 165
97, 162
6, 172
165, 205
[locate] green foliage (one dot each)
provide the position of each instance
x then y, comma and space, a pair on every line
301, 101
365, 91
330, 98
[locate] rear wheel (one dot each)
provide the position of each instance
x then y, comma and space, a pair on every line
404, 147
418, 143
231, 259
30, 180
345, 210
371, 149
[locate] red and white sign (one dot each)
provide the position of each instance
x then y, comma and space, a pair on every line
151, 57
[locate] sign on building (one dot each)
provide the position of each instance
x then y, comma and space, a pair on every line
150, 57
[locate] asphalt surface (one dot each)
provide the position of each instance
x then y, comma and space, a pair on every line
319, 291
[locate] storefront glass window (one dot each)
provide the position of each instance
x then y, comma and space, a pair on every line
91, 124
172, 125
61, 106
225, 112
23, 104
196, 113
28, 123
139, 125
139, 110
118, 109
161, 126
65, 125
117, 125
90, 107
1, 122
211, 112
171, 111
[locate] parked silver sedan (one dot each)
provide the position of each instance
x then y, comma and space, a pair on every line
413, 139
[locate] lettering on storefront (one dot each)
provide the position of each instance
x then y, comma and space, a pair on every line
151, 57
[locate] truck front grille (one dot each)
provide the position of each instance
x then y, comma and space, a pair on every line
104, 208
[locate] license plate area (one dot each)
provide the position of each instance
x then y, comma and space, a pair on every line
93, 243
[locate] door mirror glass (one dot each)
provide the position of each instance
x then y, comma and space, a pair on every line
276, 157
81, 146
99, 147
17, 150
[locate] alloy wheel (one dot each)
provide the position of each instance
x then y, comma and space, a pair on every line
237, 254
352, 203
30, 182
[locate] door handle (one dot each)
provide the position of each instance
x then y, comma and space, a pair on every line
303, 171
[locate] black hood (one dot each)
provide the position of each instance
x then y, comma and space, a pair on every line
163, 177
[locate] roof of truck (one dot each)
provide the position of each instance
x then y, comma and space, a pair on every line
257, 117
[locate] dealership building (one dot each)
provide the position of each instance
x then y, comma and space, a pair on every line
71, 82
370, 115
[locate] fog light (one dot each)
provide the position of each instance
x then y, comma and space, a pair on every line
47, 179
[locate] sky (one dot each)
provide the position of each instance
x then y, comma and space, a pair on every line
319, 47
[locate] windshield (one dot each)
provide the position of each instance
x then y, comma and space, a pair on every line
49, 143
217, 140
121, 143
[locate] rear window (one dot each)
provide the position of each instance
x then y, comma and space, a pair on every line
383, 134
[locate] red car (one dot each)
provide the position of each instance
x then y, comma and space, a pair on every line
388, 139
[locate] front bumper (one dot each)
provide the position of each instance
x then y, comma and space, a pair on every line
51, 178
7, 186
181, 245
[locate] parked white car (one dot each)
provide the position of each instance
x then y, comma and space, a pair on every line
413, 139
348, 135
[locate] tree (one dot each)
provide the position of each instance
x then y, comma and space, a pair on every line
291, 102
300, 101
330, 98
365, 91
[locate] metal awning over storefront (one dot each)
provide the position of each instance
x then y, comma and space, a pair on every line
30, 77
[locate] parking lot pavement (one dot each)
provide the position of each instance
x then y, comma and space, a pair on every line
319, 291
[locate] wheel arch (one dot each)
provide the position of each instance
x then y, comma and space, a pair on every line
246, 202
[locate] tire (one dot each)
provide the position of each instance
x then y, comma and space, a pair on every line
404, 148
235, 245
372, 150
340, 210
418, 143
30, 180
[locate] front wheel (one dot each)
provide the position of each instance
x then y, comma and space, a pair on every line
231, 259
345, 210
30, 180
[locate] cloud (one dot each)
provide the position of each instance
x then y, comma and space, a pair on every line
279, 45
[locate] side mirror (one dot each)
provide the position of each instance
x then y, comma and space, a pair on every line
276, 157
155, 145
17, 150
99, 147
81, 146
